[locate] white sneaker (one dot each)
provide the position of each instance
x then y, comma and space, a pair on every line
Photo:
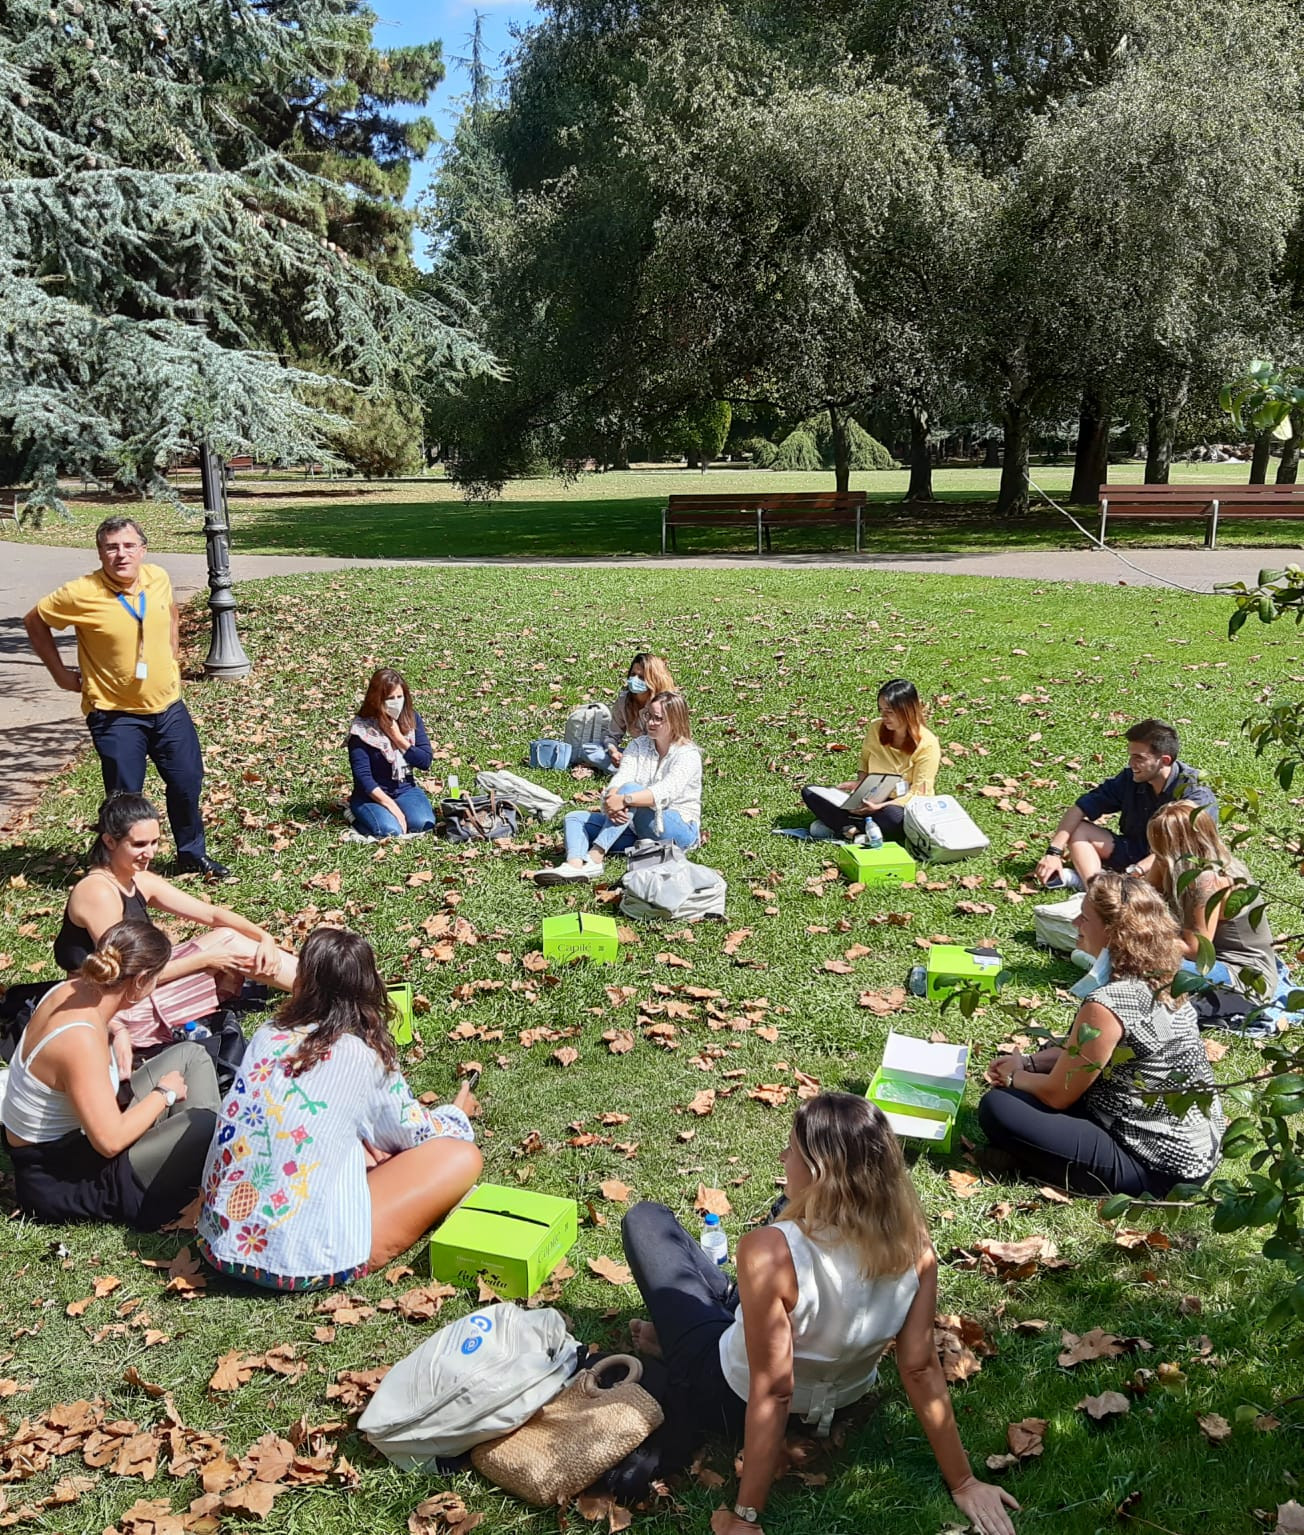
819, 832
566, 874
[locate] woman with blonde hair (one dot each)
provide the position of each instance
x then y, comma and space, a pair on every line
76, 1154
844, 1271
656, 794
1072, 1117
386, 741
1185, 841
899, 759
648, 675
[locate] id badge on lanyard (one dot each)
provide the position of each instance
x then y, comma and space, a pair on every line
142, 670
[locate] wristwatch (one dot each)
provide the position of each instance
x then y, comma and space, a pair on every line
747, 1515
1054, 852
169, 1095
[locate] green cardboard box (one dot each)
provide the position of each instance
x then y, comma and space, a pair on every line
513, 1237
950, 968
886, 865
920, 1087
579, 934
402, 1022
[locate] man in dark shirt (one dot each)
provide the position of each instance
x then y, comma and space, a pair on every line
1153, 777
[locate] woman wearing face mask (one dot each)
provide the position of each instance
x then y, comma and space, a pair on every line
648, 674
386, 741
899, 759
656, 793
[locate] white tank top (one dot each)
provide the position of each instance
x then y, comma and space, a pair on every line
841, 1324
33, 1110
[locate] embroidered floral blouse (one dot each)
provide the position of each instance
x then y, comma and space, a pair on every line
285, 1186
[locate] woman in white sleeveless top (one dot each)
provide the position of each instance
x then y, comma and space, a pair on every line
79, 1152
846, 1269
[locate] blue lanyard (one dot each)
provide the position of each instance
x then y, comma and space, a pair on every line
131, 607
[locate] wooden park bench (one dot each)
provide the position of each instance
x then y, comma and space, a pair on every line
762, 511
1210, 504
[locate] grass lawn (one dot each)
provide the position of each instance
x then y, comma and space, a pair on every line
620, 514
1030, 690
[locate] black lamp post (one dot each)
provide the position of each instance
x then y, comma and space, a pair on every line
226, 656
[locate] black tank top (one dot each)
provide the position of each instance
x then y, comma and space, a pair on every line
74, 943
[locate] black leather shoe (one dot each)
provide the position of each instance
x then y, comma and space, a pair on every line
189, 863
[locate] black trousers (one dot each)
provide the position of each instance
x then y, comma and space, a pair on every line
1064, 1148
691, 1303
125, 742
890, 819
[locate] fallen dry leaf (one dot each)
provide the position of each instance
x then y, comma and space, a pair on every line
712, 1201
1214, 1427
610, 1270
884, 1002
615, 1190
1290, 1519
703, 1103
1107, 1405
1026, 1437
960, 1342
1096, 1344
966, 1185
566, 1056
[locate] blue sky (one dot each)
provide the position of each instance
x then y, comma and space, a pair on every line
451, 21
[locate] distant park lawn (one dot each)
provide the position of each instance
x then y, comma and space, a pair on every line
619, 514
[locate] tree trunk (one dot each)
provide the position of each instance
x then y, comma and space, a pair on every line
838, 420
1162, 411
1091, 458
620, 452
1288, 468
1013, 497
1262, 457
921, 460
992, 454
694, 458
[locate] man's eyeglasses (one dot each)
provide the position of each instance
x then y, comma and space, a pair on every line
120, 548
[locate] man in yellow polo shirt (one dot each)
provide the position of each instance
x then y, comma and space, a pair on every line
129, 680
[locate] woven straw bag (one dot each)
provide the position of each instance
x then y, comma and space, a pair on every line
570, 1442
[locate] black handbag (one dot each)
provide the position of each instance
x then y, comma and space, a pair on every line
478, 818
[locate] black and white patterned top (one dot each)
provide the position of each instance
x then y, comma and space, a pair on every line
1167, 1056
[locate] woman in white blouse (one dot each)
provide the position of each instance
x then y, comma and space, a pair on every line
655, 794
845, 1269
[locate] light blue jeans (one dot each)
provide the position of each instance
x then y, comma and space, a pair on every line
594, 828
373, 820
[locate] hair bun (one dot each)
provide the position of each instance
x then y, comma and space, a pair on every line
103, 967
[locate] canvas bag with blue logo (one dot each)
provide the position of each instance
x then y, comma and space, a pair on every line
475, 1379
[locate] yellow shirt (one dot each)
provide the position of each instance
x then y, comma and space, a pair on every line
109, 639
918, 768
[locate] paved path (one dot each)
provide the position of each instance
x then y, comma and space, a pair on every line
41, 728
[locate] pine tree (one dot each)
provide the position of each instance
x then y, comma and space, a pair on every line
142, 225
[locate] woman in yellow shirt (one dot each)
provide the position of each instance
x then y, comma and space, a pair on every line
899, 758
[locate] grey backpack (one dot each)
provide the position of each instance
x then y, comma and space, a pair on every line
588, 722
678, 890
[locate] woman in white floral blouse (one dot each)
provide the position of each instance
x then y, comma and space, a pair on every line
323, 1165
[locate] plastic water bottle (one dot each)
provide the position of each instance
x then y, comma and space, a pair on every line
873, 833
194, 1032
715, 1244
454, 787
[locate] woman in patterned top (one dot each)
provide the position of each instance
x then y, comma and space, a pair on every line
323, 1165
1074, 1117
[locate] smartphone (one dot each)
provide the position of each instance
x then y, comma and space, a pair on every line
471, 1080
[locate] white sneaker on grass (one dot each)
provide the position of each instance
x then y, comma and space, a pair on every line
567, 874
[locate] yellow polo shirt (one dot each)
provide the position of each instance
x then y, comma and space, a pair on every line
108, 638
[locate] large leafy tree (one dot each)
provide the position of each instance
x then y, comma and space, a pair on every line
143, 225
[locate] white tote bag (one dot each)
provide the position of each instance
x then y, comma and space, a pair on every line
532, 798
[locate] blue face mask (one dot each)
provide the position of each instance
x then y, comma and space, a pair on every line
636, 685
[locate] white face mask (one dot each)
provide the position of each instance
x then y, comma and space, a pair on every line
394, 706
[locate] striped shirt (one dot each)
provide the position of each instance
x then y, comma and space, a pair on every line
285, 1185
